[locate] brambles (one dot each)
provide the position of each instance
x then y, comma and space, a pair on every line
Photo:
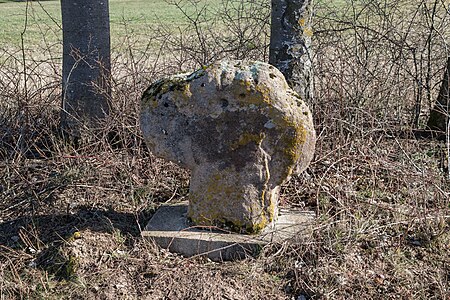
382, 200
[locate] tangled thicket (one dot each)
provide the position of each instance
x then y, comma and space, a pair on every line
382, 202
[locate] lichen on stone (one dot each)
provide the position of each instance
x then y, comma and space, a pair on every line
246, 138
240, 129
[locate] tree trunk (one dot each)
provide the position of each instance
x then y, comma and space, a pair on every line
290, 41
440, 112
86, 65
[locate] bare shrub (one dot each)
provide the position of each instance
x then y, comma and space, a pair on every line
382, 227
378, 64
235, 29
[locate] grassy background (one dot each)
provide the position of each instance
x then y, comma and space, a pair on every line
127, 17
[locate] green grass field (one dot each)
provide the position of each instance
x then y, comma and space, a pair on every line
44, 20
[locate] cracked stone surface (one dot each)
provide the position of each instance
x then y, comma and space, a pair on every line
242, 132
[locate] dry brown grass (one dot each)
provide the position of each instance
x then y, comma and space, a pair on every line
70, 217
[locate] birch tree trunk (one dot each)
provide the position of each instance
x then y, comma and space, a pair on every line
86, 64
290, 44
439, 114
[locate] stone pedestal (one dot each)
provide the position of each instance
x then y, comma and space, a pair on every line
170, 229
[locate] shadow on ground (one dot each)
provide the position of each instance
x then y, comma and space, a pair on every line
48, 228
46, 237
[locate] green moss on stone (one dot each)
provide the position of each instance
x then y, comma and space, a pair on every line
172, 84
208, 214
246, 138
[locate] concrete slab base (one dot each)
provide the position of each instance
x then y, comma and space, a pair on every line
170, 229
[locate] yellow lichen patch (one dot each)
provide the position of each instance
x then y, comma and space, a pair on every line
177, 84
292, 138
258, 95
207, 218
258, 227
149, 98
301, 22
216, 186
265, 93
247, 83
204, 214
271, 208
71, 266
182, 93
293, 144
248, 97
207, 212
75, 236
308, 31
246, 138
295, 141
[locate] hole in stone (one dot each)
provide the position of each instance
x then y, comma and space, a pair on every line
224, 103
256, 81
242, 95
166, 104
272, 76
203, 84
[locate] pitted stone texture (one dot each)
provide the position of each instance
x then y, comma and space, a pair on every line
240, 129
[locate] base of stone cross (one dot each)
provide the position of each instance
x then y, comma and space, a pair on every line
170, 229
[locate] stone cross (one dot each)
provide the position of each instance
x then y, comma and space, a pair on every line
242, 132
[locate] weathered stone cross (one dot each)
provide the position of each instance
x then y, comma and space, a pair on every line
242, 132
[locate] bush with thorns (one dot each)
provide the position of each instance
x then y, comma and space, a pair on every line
71, 215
